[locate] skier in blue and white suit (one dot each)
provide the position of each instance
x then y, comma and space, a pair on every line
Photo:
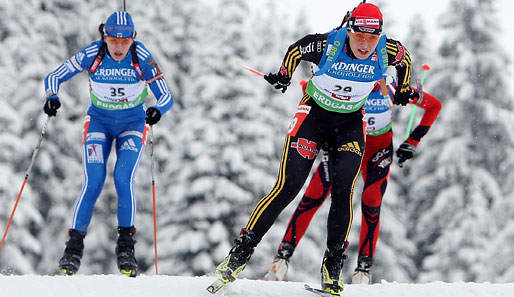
120, 71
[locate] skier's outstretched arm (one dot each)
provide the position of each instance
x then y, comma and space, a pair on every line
309, 48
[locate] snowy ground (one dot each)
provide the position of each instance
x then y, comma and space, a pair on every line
178, 286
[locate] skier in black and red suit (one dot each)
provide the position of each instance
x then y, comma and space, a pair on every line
349, 61
375, 168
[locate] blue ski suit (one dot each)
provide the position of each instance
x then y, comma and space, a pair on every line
117, 112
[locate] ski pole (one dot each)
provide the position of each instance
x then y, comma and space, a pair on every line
34, 154
389, 81
153, 200
425, 68
384, 90
240, 63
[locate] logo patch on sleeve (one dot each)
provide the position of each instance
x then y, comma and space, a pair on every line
400, 55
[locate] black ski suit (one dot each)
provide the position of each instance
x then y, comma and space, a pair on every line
343, 134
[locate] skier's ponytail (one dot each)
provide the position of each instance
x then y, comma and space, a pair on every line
101, 30
345, 20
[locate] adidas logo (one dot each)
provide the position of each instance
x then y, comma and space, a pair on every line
129, 144
352, 146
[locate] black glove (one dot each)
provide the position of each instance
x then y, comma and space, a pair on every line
153, 115
403, 98
278, 80
405, 152
51, 106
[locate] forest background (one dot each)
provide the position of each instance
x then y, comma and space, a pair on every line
447, 215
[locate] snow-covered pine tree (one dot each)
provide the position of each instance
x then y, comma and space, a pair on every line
395, 250
223, 151
453, 182
268, 51
36, 41
420, 46
62, 30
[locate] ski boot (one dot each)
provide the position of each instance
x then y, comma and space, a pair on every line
331, 270
362, 273
127, 263
280, 264
228, 270
70, 262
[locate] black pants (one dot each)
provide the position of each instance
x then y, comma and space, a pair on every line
343, 136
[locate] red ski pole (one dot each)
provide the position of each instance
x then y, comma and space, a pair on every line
153, 201
34, 154
240, 63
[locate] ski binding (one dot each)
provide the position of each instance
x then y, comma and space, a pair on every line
319, 292
217, 285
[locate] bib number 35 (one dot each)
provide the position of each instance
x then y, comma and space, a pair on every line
117, 92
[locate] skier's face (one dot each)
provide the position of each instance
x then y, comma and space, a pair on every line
363, 44
118, 47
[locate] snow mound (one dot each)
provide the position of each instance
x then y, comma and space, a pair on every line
180, 286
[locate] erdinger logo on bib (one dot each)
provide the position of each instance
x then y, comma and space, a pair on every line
305, 148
